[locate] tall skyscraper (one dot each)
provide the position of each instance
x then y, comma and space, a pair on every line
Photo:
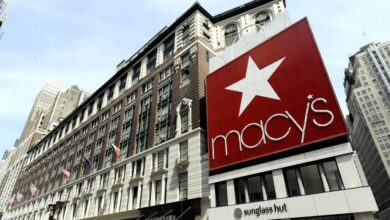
366, 83
43, 101
51, 106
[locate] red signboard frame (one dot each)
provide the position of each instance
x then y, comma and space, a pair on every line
298, 108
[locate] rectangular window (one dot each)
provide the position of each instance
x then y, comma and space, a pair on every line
221, 194
184, 122
151, 61
86, 207
158, 192
160, 158
183, 151
241, 186
74, 209
143, 134
269, 186
311, 179
147, 86
166, 73
115, 201
135, 197
169, 45
291, 179
332, 175
183, 186
99, 204
122, 83
254, 189
136, 74
131, 98
185, 59
110, 94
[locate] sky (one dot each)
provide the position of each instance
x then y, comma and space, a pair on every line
81, 42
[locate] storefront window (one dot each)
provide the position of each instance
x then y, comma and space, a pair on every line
333, 176
254, 189
221, 194
269, 186
241, 187
250, 189
311, 179
292, 182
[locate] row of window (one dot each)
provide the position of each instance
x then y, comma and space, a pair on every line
231, 31
134, 195
168, 53
300, 180
159, 162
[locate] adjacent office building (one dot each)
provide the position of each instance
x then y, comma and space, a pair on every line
367, 87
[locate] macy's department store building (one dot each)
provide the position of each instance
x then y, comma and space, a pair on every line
284, 152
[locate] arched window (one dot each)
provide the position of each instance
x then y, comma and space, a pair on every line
231, 32
261, 19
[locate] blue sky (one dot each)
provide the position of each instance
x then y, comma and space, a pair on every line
81, 42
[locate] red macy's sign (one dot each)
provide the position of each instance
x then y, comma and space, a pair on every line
274, 98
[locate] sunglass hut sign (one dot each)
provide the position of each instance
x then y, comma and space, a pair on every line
274, 98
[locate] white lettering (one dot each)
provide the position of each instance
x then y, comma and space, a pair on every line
261, 127
227, 141
224, 138
321, 111
303, 127
266, 125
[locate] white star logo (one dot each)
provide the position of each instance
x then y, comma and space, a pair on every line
255, 83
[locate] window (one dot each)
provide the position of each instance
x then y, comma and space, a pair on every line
269, 186
221, 194
136, 74
100, 103
183, 184
160, 160
166, 73
184, 121
261, 19
110, 94
135, 197
74, 209
158, 192
142, 139
122, 83
310, 176
241, 191
163, 109
131, 98
291, 179
169, 45
183, 151
186, 34
99, 204
254, 189
185, 59
86, 207
151, 61
105, 116
231, 34
147, 86
311, 179
117, 107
